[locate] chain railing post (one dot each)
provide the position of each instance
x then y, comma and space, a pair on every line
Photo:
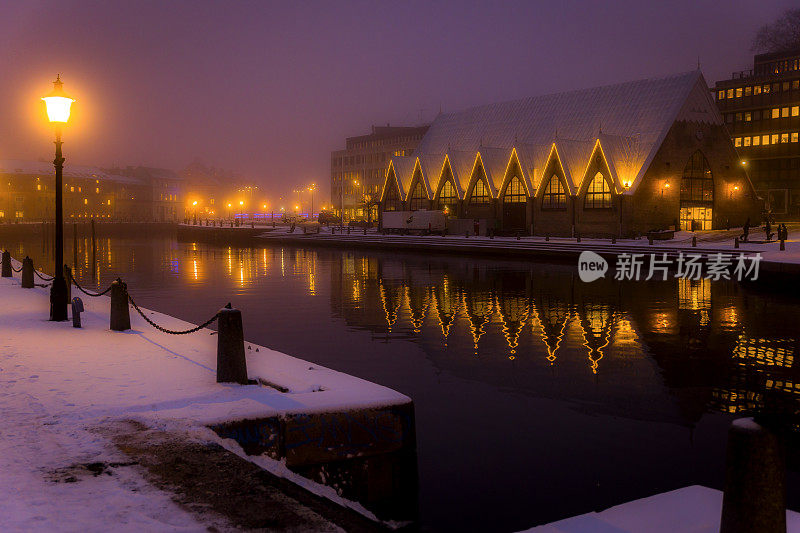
27, 273
120, 312
7, 264
231, 362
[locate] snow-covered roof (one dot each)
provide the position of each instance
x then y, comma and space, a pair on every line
45, 169
630, 120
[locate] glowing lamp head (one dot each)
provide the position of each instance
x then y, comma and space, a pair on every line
744, 163
735, 187
58, 103
241, 202
666, 185
194, 203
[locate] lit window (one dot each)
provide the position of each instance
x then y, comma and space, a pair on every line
748, 90
757, 140
794, 136
765, 140
447, 196
784, 137
480, 194
737, 141
738, 92
19, 214
757, 89
38, 186
598, 195
85, 201
72, 189
765, 89
748, 116
795, 111
554, 196
774, 138
784, 112
419, 198
108, 202
785, 86
79, 189
2, 214
776, 113
747, 141
721, 95
729, 94
515, 192
97, 190
738, 117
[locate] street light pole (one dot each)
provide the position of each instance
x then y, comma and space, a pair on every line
58, 106
58, 291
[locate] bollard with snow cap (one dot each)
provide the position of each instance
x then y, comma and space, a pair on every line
77, 309
27, 273
231, 361
7, 264
120, 312
754, 498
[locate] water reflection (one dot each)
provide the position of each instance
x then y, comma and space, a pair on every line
573, 395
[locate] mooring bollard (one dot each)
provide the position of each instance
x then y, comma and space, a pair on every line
6, 264
649, 239
518, 237
348, 230
578, 237
547, 237
77, 309
736, 242
365, 230
613, 239
466, 234
27, 273
231, 362
783, 245
694, 241
754, 498
120, 312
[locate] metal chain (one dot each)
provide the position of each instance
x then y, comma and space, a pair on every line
87, 293
165, 330
15, 269
43, 278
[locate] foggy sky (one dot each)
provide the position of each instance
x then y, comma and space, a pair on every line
269, 89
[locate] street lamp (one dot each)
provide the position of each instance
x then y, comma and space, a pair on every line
58, 106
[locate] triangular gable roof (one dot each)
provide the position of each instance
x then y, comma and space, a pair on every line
426, 181
555, 156
644, 109
624, 156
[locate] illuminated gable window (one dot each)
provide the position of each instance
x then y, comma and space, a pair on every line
480, 194
515, 192
554, 197
697, 184
598, 195
419, 199
447, 196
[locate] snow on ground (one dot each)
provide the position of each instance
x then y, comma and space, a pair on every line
58, 382
706, 241
696, 509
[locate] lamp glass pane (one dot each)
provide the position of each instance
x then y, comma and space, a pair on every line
58, 108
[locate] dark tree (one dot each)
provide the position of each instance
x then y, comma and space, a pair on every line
780, 36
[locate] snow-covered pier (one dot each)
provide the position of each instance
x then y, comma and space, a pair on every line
66, 392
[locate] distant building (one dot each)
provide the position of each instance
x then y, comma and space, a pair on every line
27, 193
761, 108
361, 167
616, 160
159, 192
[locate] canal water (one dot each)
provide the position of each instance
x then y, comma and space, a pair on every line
537, 396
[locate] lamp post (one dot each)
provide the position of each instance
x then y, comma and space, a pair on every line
58, 105
311, 190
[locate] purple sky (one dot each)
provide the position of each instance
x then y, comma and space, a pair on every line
269, 89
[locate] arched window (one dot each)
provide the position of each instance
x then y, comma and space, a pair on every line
554, 197
697, 194
447, 196
392, 200
515, 192
480, 194
419, 200
598, 195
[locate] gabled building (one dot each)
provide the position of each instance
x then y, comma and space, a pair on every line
616, 160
